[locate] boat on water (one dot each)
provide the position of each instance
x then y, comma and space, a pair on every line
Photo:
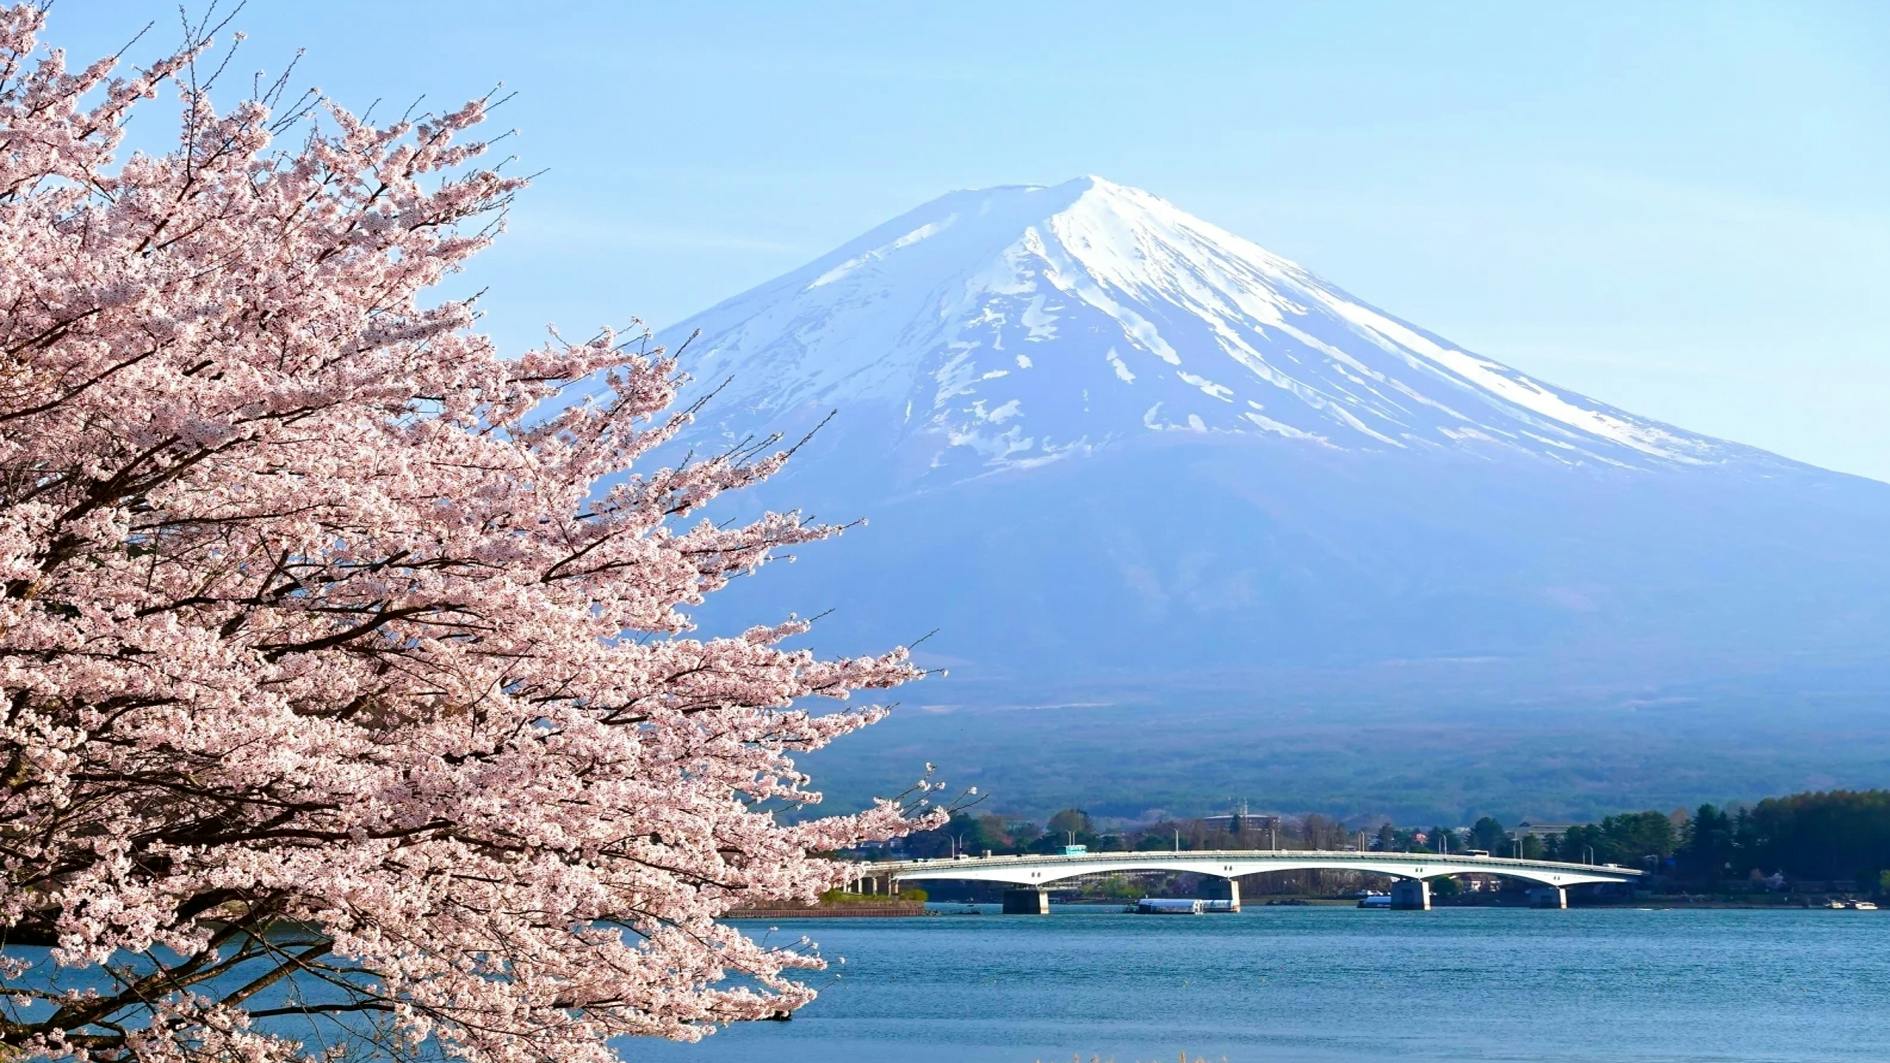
1863, 906
1167, 906
1375, 900
1836, 905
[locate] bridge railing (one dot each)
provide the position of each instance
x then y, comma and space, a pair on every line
1316, 855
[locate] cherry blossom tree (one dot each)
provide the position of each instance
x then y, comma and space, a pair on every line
348, 692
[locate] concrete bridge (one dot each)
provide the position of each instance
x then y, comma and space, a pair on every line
1032, 876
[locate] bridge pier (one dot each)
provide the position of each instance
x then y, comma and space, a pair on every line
1027, 900
1233, 895
1411, 895
1548, 897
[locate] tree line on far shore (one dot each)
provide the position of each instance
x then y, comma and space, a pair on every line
1823, 836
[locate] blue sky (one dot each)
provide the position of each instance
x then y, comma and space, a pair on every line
1681, 209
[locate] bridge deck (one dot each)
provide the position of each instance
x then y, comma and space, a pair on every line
1233, 863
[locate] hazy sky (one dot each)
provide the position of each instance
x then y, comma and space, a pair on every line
1681, 209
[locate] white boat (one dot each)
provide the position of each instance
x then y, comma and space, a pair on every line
1863, 906
1168, 906
1375, 900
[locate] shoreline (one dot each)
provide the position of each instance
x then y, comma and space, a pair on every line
897, 910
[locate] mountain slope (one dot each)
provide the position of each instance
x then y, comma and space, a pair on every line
1014, 326
1119, 456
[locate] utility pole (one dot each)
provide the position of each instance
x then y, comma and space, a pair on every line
1177, 839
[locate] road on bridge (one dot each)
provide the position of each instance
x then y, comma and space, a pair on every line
1033, 874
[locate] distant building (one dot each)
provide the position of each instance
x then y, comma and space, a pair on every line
1527, 829
1240, 822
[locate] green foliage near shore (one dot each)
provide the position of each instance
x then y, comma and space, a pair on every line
1822, 836
1835, 834
1632, 838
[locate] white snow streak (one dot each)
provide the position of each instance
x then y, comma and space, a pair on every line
933, 309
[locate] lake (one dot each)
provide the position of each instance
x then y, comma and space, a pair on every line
1329, 983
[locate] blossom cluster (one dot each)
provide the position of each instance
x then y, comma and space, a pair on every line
346, 673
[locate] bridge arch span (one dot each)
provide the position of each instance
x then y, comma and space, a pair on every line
1046, 871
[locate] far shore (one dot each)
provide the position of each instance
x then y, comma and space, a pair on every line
914, 909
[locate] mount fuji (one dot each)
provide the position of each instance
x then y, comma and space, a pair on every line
1122, 458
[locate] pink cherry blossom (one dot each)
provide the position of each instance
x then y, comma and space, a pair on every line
347, 681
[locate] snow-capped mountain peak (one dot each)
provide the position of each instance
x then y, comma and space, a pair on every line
1013, 326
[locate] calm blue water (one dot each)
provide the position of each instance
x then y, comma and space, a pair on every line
1334, 984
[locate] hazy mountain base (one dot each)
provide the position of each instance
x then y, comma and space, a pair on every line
1156, 558
1441, 744
1349, 637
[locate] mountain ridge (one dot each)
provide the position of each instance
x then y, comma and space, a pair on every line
948, 312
